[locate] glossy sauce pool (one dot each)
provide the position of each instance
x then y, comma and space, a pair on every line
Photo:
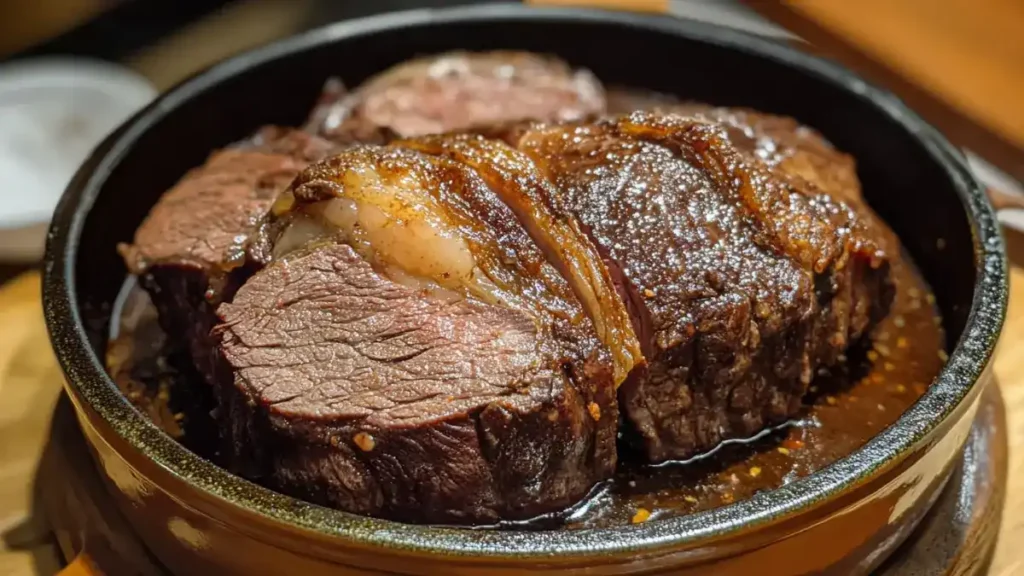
846, 406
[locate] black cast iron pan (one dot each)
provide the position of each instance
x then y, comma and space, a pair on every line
197, 518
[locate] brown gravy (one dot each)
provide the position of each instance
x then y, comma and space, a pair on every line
846, 406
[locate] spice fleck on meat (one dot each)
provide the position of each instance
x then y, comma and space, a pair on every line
364, 441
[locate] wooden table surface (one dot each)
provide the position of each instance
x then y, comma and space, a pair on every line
958, 63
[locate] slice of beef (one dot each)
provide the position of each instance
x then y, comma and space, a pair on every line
360, 393
334, 117
410, 353
746, 281
457, 91
189, 252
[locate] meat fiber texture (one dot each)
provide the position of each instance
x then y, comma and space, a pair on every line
446, 328
743, 278
383, 397
457, 91
357, 392
362, 382
189, 252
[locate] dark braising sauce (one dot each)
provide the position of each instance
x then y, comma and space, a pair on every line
156, 377
846, 406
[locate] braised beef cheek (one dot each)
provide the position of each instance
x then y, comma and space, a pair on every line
409, 352
443, 328
743, 281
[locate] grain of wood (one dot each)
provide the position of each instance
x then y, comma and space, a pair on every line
236, 28
966, 51
42, 560
30, 384
958, 63
1009, 368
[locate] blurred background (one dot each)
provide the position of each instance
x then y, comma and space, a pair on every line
72, 70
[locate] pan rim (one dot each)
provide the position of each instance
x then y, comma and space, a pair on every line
953, 388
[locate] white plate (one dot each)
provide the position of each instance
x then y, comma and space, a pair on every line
53, 112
